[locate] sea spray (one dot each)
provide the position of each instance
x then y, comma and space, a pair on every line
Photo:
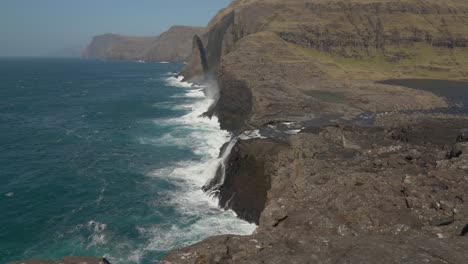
204, 137
115, 167
212, 187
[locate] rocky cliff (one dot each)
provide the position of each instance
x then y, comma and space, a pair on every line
292, 49
173, 45
347, 170
394, 193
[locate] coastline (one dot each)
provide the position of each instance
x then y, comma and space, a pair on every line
309, 141
369, 172
394, 185
195, 215
206, 139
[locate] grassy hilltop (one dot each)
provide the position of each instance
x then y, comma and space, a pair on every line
361, 39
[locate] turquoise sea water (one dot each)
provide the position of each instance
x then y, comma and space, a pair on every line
104, 159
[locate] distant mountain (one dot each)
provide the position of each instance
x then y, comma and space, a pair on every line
174, 45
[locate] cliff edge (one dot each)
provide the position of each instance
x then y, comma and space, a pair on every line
331, 164
346, 169
286, 54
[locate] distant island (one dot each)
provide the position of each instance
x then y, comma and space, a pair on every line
174, 45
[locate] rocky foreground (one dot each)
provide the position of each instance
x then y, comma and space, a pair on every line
346, 170
392, 193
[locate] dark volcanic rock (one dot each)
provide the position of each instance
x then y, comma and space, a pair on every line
391, 190
285, 55
332, 249
234, 106
246, 181
348, 194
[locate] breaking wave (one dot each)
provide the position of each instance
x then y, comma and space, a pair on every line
203, 136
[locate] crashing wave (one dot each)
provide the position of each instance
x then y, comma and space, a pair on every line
204, 137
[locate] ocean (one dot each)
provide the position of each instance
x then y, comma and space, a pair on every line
105, 158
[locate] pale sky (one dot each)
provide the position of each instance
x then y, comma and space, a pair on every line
44, 27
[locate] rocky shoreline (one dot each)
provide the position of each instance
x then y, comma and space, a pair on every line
343, 169
392, 193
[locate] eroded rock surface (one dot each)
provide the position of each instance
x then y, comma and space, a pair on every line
375, 175
392, 193
296, 60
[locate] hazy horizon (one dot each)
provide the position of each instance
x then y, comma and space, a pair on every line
55, 27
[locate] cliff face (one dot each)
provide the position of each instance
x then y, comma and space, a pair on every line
380, 189
295, 48
101, 44
173, 45
360, 29
347, 170
395, 193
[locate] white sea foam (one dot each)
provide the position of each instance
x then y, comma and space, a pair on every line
97, 236
198, 93
174, 237
204, 136
94, 230
177, 81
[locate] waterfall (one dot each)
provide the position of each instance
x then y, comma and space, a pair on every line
213, 186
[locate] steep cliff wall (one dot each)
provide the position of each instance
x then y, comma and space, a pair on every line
100, 45
242, 183
285, 51
349, 194
173, 45
337, 193
355, 29
295, 61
